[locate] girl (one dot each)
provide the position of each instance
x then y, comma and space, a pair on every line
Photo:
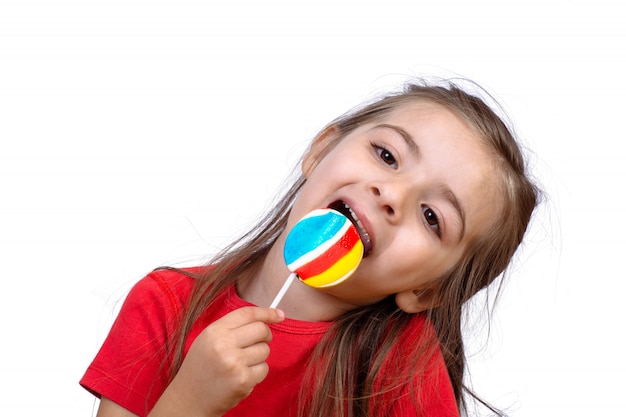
437, 187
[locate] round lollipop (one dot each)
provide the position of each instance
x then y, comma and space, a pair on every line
322, 249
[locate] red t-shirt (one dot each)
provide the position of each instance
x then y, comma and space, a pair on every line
128, 369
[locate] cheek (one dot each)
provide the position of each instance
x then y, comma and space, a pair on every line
422, 260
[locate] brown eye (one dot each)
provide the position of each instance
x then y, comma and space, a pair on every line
431, 219
386, 156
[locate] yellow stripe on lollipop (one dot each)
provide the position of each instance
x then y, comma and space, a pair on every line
338, 271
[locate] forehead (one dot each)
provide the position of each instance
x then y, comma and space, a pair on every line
456, 156
421, 110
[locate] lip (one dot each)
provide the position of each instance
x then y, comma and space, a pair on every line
361, 222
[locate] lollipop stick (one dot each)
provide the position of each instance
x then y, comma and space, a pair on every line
283, 290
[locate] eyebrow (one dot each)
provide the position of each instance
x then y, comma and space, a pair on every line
449, 195
445, 191
410, 142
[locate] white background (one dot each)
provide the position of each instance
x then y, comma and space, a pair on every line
138, 133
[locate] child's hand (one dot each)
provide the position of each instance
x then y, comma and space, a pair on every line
223, 365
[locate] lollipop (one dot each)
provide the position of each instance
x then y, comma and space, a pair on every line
322, 249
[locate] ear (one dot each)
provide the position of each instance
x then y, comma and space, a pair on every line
318, 149
416, 301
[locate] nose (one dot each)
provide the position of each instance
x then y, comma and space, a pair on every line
389, 197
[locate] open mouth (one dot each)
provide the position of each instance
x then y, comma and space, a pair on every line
345, 209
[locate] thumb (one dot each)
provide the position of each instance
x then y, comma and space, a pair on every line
275, 315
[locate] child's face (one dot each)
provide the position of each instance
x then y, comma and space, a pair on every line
423, 186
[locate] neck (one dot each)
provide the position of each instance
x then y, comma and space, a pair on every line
300, 302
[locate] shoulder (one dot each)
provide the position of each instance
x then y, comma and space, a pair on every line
164, 286
436, 394
156, 301
129, 367
430, 388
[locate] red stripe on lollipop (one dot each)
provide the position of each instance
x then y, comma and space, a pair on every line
333, 254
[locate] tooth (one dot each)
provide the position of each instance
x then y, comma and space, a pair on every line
364, 234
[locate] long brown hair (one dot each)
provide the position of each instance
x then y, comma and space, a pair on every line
350, 356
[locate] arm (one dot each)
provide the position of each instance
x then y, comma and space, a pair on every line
108, 408
224, 364
222, 367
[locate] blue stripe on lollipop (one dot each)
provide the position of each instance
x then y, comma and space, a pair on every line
311, 232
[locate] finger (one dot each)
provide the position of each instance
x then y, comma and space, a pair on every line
258, 372
256, 354
251, 334
250, 314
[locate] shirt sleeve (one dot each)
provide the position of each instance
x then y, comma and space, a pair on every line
130, 368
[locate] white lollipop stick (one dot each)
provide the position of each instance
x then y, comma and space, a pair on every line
283, 290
